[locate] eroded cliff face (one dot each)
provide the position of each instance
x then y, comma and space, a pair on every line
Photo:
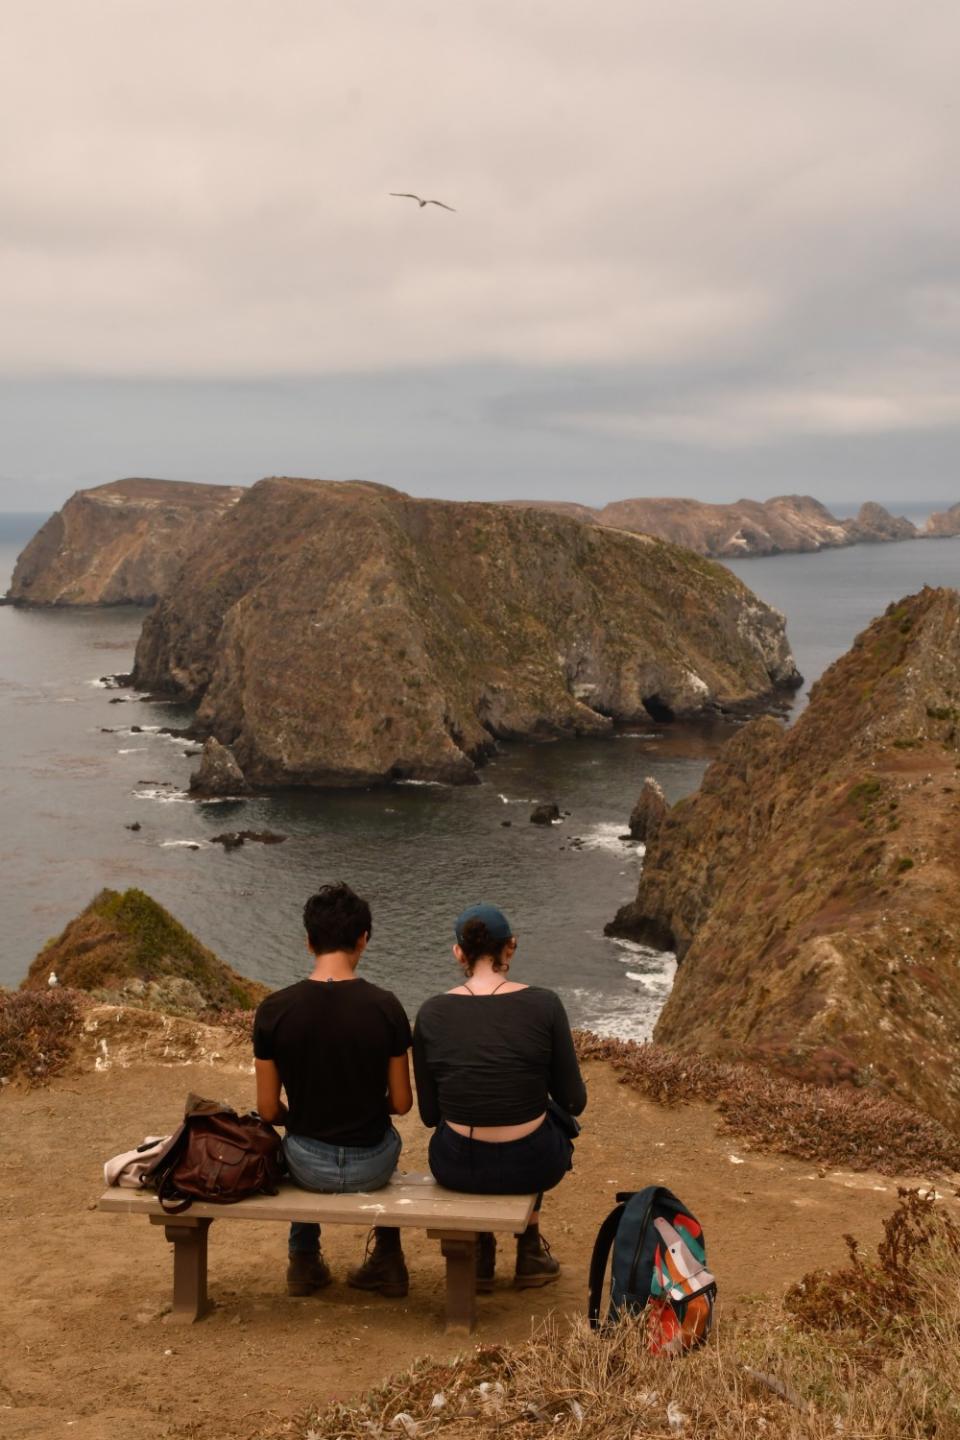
785, 524
812, 885
343, 633
944, 523
119, 544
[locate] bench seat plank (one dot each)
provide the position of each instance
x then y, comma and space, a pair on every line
408, 1201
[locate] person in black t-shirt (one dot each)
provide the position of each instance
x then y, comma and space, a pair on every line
337, 1046
497, 1075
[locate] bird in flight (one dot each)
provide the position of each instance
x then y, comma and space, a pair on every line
406, 195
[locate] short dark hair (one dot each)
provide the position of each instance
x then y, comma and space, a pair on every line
335, 919
476, 941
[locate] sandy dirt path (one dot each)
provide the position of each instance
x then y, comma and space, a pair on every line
87, 1351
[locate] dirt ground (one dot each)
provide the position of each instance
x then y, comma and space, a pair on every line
88, 1350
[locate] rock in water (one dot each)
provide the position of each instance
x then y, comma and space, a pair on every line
218, 772
944, 523
647, 815
129, 948
348, 634
545, 814
118, 544
811, 888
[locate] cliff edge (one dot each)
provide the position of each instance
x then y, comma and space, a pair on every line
118, 544
811, 887
345, 633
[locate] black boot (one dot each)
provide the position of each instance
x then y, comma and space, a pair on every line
306, 1273
486, 1261
535, 1264
383, 1268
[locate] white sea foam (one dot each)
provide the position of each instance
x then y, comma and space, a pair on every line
132, 750
514, 800
166, 797
184, 845
609, 835
630, 1013
440, 784
636, 735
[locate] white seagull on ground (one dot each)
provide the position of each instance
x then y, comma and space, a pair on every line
52, 979
406, 195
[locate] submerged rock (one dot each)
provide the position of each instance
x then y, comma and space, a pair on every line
233, 839
545, 815
218, 772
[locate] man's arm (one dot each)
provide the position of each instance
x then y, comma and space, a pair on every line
399, 1089
270, 1107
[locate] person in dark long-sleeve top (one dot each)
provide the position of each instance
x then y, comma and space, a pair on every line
498, 1079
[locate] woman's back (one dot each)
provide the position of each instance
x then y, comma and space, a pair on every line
492, 1060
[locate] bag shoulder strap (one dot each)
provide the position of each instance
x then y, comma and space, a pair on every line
598, 1262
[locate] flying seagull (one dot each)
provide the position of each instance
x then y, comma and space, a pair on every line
406, 195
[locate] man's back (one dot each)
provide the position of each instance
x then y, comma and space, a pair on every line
331, 1042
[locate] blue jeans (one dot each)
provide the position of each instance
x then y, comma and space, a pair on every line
315, 1165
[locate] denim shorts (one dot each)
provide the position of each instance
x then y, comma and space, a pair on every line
315, 1165
513, 1167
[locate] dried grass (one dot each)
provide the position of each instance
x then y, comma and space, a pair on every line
830, 1125
769, 1373
37, 1032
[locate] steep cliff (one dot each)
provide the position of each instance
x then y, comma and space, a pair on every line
785, 524
812, 885
119, 544
343, 633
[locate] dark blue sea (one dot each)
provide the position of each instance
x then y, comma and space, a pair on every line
74, 773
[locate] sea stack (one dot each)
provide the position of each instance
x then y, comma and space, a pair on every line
344, 633
811, 887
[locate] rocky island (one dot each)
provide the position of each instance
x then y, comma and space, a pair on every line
811, 887
784, 525
345, 633
118, 544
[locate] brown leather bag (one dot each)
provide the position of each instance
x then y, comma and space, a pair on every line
217, 1156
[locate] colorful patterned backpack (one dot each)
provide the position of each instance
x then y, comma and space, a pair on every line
659, 1265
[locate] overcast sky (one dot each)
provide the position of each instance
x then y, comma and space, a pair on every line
699, 248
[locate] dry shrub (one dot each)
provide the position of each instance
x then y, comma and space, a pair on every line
37, 1030
767, 1373
240, 1022
833, 1125
872, 1300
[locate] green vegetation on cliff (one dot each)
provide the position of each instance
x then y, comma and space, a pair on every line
128, 946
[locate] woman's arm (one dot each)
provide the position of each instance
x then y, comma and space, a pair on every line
566, 1082
428, 1102
270, 1107
399, 1090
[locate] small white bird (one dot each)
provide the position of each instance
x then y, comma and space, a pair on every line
406, 195
52, 979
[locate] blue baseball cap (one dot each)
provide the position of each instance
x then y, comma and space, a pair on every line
498, 926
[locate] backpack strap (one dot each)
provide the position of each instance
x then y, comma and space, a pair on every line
598, 1262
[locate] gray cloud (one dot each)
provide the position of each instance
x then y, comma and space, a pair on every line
697, 243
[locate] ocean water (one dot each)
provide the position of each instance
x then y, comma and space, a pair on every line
74, 773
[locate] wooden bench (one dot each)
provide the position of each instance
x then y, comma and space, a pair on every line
409, 1201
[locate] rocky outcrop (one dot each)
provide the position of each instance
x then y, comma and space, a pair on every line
875, 525
944, 523
648, 813
119, 544
346, 633
811, 888
126, 947
218, 773
783, 525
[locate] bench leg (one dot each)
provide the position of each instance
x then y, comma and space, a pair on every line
460, 1252
189, 1239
